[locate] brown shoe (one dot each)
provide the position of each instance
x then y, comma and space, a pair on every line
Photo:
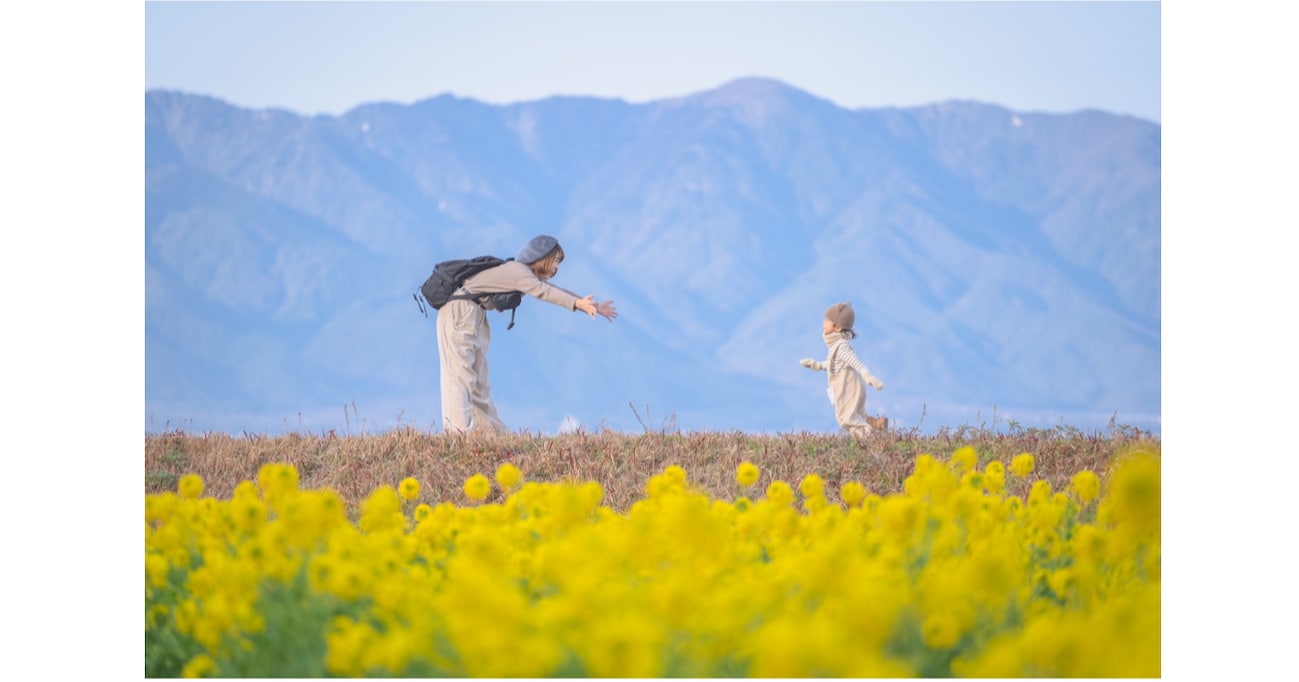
878, 423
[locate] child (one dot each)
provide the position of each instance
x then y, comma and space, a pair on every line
464, 335
847, 376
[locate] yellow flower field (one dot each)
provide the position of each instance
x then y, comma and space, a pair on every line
951, 577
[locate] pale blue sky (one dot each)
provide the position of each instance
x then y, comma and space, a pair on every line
326, 57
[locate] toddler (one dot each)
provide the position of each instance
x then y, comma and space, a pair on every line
847, 376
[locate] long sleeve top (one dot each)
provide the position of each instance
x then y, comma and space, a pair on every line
516, 276
841, 356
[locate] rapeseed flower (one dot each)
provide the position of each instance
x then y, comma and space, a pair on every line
965, 459
1060, 581
277, 480
248, 514
155, 570
1040, 493
382, 511
973, 480
624, 646
899, 516
305, 518
408, 489
346, 641
994, 477
477, 487
1134, 492
160, 508
246, 490
940, 630
190, 486
422, 512
660, 485
199, 666
852, 493
508, 476
1022, 465
812, 486
591, 493
746, 474
780, 493
1086, 486
1013, 506
550, 583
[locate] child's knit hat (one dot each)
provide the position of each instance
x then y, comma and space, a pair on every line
841, 315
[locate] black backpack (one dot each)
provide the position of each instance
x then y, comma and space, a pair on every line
449, 275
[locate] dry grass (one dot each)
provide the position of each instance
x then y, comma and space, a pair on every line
622, 463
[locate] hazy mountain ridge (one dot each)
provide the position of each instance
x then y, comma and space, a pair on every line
994, 258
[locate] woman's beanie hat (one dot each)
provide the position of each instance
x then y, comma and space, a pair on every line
537, 249
841, 315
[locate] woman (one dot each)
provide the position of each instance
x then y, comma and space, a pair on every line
464, 335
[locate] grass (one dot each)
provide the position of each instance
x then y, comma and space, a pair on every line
622, 463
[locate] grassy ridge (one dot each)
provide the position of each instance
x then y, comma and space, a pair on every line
622, 463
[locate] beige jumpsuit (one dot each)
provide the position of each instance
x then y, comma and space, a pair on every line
464, 337
847, 378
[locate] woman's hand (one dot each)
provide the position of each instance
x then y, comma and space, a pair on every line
590, 307
607, 310
586, 305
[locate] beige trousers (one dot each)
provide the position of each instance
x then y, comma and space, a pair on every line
848, 393
463, 339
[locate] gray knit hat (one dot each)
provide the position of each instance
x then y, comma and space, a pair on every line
537, 249
841, 315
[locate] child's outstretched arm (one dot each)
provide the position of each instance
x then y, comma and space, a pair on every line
812, 364
854, 362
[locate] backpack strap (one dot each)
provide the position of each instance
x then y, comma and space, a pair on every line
477, 298
468, 296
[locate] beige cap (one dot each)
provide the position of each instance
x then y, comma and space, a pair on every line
841, 315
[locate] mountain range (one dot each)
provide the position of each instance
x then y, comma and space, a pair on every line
1004, 265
